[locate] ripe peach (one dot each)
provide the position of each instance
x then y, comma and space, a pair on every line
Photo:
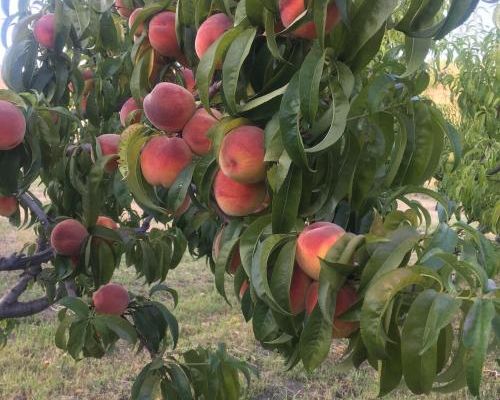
244, 287
162, 35
122, 9
106, 222
169, 106
8, 206
109, 143
111, 299
238, 199
163, 158
235, 257
188, 76
242, 153
291, 9
210, 30
195, 131
44, 30
131, 20
298, 290
128, 107
313, 243
12, 126
346, 297
68, 236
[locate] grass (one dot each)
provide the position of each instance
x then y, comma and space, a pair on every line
31, 367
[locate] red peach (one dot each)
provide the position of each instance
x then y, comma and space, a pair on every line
162, 35
242, 153
188, 76
163, 158
169, 106
235, 257
111, 299
45, 30
12, 127
128, 107
109, 143
313, 243
131, 20
238, 199
122, 9
87, 74
298, 290
291, 9
68, 236
195, 131
8, 206
106, 222
209, 31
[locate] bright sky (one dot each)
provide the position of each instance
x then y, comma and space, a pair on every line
484, 15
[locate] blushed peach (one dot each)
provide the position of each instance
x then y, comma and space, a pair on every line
163, 158
169, 106
188, 76
127, 108
131, 20
235, 256
44, 30
242, 153
162, 35
8, 206
209, 31
111, 299
298, 290
68, 236
313, 243
195, 131
109, 144
106, 222
238, 199
123, 9
12, 125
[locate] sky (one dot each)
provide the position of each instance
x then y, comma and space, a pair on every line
483, 15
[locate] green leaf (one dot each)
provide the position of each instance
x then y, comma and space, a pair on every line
179, 190
310, 75
170, 320
76, 339
285, 203
120, 326
315, 340
416, 50
390, 369
250, 239
282, 275
139, 81
77, 305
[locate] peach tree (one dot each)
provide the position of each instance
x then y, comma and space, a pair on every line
279, 141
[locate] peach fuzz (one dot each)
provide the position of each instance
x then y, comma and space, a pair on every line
235, 257
12, 125
8, 206
298, 290
131, 20
291, 9
162, 35
109, 144
44, 30
237, 199
209, 31
106, 222
128, 107
241, 155
195, 131
188, 76
111, 299
67, 237
163, 158
169, 106
313, 243
122, 9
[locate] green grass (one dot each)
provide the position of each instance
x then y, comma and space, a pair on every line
31, 367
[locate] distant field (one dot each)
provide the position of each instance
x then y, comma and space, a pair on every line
31, 367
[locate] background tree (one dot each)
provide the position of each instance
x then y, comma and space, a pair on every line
275, 139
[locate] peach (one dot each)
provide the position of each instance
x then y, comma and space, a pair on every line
12, 126
298, 290
238, 199
242, 153
291, 9
106, 222
44, 30
313, 243
210, 30
127, 108
87, 74
244, 287
169, 106
122, 8
235, 257
131, 20
8, 206
195, 131
68, 236
111, 298
109, 143
188, 76
162, 35
163, 158
346, 297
